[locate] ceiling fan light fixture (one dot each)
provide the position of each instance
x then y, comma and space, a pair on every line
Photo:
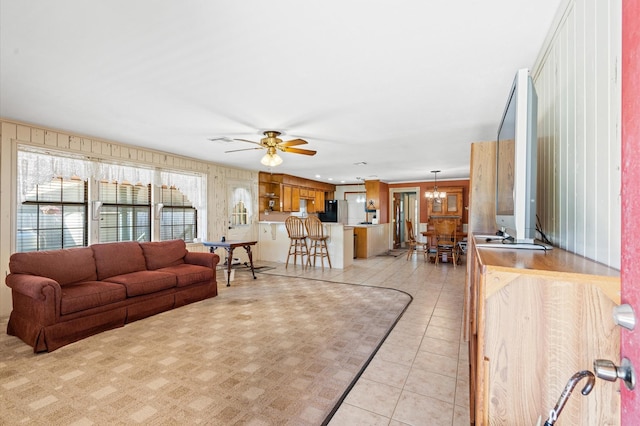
271, 159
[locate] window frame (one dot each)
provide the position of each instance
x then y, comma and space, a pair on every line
134, 209
40, 225
168, 208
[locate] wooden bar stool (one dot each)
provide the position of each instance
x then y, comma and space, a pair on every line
297, 240
318, 240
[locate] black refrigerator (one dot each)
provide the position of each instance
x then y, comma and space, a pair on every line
334, 211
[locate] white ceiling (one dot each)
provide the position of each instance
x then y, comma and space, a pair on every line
404, 86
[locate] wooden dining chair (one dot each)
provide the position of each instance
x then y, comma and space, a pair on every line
446, 244
412, 242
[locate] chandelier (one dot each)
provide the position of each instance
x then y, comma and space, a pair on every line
435, 195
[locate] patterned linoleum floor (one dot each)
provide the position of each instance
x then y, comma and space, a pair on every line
418, 376
279, 350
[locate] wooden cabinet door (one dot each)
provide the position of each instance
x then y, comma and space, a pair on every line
295, 199
286, 198
373, 194
453, 203
311, 201
319, 202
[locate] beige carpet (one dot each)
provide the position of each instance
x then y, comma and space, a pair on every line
276, 350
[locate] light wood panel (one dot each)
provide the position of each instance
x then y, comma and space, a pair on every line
482, 188
537, 318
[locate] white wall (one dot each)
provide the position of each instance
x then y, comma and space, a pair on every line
218, 177
356, 213
577, 77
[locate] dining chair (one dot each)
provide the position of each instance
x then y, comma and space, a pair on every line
412, 242
446, 244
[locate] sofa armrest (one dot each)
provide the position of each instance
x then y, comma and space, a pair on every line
33, 286
45, 293
210, 260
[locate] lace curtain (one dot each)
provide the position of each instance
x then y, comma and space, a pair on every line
241, 205
36, 168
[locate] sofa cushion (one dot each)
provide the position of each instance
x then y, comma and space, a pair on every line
144, 282
91, 294
160, 254
118, 258
64, 266
189, 274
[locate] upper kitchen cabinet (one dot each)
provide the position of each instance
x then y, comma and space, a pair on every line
378, 199
373, 195
290, 198
319, 201
282, 193
269, 191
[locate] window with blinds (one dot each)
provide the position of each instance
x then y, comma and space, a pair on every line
126, 212
53, 216
178, 219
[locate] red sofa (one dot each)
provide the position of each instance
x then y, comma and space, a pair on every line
61, 296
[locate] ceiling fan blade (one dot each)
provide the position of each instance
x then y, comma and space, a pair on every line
298, 151
247, 140
294, 142
224, 139
245, 149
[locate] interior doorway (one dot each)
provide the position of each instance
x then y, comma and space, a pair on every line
406, 205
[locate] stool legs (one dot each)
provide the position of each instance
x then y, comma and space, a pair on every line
319, 249
297, 246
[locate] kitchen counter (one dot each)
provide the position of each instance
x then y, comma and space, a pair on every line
273, 243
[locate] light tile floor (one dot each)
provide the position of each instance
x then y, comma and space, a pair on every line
420, 375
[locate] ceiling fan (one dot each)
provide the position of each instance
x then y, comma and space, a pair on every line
271, 142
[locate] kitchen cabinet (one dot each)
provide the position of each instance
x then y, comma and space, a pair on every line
370, 240
377, 199
311, 201
286, 198
290, 198
319, 201
295, 199
269, 193
373, 194
284, 193
360, 234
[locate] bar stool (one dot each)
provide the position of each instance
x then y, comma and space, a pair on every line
318, 247
297, 240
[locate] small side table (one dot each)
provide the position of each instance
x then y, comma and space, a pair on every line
229, 246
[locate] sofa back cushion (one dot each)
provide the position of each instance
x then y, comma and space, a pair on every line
66, 266
160, 254
118, 258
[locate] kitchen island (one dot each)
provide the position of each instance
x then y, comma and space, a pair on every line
273, 243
